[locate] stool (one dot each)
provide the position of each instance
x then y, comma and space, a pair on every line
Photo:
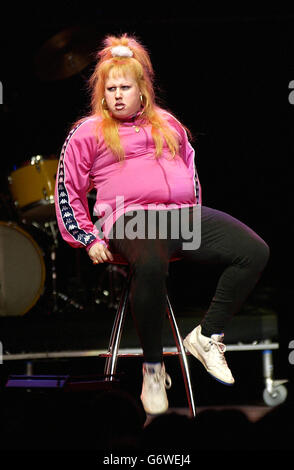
114, 342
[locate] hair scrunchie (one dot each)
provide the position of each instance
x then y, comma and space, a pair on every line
121, 51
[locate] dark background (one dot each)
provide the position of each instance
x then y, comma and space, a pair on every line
223, 71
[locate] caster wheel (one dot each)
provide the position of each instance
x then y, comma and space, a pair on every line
276, 397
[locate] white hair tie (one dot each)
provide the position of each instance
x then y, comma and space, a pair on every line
121, 51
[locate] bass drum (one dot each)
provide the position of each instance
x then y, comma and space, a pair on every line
22, 270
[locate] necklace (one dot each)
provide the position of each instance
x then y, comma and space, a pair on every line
137, 129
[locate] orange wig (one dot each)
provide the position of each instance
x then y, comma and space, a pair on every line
140, 67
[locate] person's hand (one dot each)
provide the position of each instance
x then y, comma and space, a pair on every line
99, 253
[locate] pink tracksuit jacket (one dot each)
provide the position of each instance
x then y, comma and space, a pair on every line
141, 181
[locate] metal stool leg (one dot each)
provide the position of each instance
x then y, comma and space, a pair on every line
114, 342
182, 357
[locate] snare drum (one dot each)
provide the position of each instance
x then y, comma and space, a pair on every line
22, 270
32, 188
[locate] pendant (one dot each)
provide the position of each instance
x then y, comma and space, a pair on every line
137, 129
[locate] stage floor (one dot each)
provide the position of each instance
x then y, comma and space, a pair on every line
253, 413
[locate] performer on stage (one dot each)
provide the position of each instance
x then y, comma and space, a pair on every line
139, 159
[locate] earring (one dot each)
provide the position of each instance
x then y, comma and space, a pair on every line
142, 102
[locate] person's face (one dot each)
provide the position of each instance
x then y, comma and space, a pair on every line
122, 96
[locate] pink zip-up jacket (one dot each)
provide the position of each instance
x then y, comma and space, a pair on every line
141, 181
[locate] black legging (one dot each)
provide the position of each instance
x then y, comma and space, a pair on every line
224, 240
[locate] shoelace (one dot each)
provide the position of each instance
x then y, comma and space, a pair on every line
158, 378
167, 381
221, 347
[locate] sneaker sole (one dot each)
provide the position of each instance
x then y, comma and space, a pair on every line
153, 413
194, 352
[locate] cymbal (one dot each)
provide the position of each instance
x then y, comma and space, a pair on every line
66, 54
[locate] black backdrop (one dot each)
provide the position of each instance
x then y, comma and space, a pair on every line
223, 71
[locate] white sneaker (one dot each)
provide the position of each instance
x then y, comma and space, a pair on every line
210, 351
155, 383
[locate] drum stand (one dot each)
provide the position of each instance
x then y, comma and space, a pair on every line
50, 229
110, 285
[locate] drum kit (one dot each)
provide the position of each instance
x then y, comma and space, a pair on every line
22, 266
31, 187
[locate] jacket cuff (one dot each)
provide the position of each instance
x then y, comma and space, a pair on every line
94, 242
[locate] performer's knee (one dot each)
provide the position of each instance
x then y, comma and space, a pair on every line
259, 254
